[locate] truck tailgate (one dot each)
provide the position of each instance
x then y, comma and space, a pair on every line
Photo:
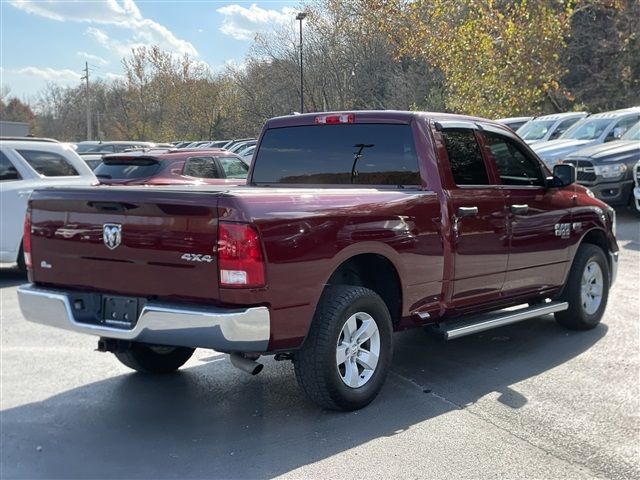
166, 248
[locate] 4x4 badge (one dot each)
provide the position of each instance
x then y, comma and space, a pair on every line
112, 235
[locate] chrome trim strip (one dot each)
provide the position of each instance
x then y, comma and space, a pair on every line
489, 321
225, 330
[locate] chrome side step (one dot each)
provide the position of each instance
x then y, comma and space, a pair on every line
487, 321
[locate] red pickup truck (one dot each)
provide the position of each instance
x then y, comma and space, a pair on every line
352, 225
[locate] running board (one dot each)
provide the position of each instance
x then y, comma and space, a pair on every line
487, 321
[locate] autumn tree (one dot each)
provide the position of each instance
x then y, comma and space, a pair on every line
498, 58
602, 58
14, 110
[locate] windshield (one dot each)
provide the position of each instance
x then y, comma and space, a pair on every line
365, 154
633, 133
84, 147
587, 129
535, 129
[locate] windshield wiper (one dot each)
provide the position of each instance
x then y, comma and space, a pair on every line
356, 157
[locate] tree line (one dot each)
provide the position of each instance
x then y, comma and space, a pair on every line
489, 58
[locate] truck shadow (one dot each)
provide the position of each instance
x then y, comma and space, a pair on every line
212, 421
11, 277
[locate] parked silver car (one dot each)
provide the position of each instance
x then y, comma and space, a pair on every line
592, 130
548, 127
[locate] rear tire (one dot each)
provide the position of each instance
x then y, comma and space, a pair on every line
345, 358
22, 266
587, 289
155, 359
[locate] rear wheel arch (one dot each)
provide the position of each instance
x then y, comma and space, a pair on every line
375, 272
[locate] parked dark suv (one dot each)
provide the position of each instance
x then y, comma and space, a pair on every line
607, 169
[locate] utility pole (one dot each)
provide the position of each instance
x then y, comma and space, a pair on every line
87, 100
301, 16
99, 126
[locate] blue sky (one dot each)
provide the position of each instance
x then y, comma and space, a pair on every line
45, 41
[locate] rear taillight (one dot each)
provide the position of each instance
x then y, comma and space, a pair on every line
334, 119
240, 258
26, 239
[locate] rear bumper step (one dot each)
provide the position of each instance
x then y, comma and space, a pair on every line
225, 330
487, 321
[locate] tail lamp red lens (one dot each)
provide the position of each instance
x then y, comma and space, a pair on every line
26, 239
334, 119
240, 259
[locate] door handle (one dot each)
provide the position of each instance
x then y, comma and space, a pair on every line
519, 209
24, 193
467, 211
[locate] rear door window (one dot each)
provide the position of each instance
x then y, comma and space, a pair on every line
358, 154
48, 164
201, 167
7, 169
465, 159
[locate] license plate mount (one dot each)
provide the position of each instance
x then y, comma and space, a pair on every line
119, 311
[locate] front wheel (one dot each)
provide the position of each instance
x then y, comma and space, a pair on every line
154, 358
587, 289
345, 358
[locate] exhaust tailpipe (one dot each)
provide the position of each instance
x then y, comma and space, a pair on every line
248, 365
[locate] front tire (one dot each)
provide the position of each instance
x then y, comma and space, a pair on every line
345, 358
587, 289
155, 359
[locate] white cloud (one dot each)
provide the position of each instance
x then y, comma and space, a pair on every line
243, 23
114, 76
92, 58
116, 46
47, 73
120, 13
101, 11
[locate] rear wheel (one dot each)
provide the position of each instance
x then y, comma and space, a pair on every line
587, 289
22, 266
346, 355
154, 358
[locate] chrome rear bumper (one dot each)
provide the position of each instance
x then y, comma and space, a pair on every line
225, 330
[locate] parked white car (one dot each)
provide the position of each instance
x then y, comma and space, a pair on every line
514, 123
247, 154
548, 127
636, 190
593, 130
26, 164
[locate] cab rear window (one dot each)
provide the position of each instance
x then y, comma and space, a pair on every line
127, 168
358, 154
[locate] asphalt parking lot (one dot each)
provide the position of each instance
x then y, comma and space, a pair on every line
526, 401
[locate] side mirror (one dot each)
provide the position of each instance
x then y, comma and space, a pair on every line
618, 132
564, 174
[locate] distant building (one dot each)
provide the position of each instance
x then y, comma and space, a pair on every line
14, 129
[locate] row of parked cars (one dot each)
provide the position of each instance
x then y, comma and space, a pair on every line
604, 148
28, 163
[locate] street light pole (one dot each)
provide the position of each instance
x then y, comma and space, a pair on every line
301, 16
